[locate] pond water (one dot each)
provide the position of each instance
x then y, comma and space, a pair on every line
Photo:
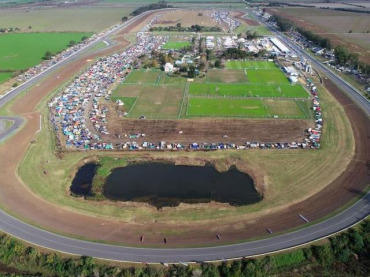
168, 185
81, 184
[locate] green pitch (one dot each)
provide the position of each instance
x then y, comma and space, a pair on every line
248, 90
228, 107
176, 44
143, 77
250, 64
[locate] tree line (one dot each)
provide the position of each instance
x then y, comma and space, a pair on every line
345, 254
154, 6
193, 28
286, 25
344, 57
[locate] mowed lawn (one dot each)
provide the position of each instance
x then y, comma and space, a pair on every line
250, 64
153, 101
143, 77
176, 44
248, 90
228, 107
267, 76
21, 51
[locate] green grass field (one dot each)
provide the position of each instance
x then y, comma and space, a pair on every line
250, 64
176, 44
219, 107
127, 101
5, 76
153, 101
143, 77
21, 51
248, 90
267, 76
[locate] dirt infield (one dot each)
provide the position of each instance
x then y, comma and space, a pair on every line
198, 130
17, 197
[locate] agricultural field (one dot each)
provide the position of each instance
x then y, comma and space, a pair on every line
342, 28
219, 107
175, 45
15, 55
5, 76
186, 18
248, 90
78, 19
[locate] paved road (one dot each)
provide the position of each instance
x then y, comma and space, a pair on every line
53, 241
50, 240
17, 123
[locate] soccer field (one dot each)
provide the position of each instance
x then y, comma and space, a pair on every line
250, 64
248, 90
267, 76
151, 101
219, 107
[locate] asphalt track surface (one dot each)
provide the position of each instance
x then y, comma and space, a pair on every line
34, 235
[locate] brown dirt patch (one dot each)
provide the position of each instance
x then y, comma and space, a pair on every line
17, 197
197, 130
240, 16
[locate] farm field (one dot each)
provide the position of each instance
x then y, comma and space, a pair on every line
186, 18
153, 101
248, 90
176, 45
334, 25
143, 77
243, 108
78, 19
5, 76
15, 55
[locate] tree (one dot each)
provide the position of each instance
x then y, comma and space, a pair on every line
178, 25
47, 55
217, 63
341, 55
209, 270
191, 71
71, 43
124, 19
323, 254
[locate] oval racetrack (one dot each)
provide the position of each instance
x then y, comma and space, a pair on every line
341, 221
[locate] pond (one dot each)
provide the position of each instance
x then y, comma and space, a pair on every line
82, 183
164, 185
